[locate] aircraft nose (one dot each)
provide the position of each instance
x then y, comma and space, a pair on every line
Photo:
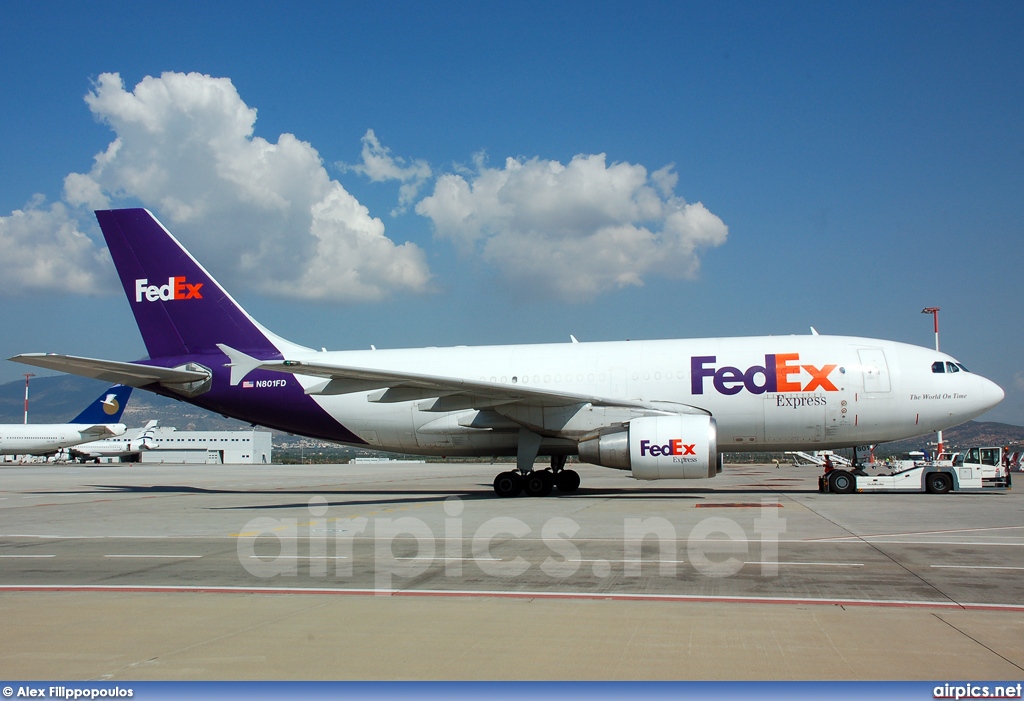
991, 393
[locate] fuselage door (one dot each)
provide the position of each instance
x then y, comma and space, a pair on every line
874, 369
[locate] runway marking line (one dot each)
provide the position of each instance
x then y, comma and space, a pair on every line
169, 557
977, 567
918, 533
455, 593
271, 558
810, 564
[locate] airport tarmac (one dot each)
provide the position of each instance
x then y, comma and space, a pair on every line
417, 571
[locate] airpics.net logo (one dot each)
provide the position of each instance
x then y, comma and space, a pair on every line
176, 288
374, 552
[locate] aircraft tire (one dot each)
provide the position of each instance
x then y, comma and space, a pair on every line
938, 483
841, 482
567, 481
508, 484
538, 483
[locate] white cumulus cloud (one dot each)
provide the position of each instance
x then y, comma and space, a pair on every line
43, 250
573, 231
380, 166
266, 213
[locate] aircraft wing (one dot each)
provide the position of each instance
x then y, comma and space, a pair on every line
448, 393
114, 371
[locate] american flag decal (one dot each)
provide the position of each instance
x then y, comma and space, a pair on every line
247, 383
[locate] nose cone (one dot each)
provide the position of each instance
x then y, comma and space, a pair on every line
991, 393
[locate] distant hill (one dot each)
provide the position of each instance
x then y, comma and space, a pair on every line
61, 398
58, 399
972, 433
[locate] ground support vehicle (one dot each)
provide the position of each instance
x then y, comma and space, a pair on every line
977, 469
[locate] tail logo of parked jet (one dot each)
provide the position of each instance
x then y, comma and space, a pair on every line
176, 288
110, 405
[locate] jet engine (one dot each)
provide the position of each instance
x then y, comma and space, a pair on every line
659, 447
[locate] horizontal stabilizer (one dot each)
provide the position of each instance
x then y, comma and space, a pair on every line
103, 431
241, 364
131, 374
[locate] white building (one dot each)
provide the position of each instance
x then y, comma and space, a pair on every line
210, 447
153, 444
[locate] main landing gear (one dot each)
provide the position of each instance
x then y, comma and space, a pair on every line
536, 483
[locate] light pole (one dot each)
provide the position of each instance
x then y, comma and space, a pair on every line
934, 311
28, 375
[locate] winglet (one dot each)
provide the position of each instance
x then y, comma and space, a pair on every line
241, 364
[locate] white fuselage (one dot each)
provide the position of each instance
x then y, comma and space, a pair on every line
765, 393
128, 443
44, 439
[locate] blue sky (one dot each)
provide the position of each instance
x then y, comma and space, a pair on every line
472, 173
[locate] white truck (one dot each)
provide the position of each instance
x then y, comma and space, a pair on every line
974, 469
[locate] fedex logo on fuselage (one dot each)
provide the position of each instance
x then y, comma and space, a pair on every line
176, 288
780, 373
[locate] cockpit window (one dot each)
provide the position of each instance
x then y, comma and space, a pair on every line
961, 366
938, 366
950, 367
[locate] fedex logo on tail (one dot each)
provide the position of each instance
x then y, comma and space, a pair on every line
176, 288
781, 372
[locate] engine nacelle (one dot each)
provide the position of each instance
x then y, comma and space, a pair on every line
659, 447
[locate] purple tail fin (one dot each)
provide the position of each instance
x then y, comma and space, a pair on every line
179, 307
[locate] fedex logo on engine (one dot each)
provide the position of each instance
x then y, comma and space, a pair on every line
176, 288
781, 372
673, 447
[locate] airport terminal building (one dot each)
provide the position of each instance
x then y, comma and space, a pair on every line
192, 447
207, 447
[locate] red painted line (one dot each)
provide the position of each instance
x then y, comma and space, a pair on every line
434, 593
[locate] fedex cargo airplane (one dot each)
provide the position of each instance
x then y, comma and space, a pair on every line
101, 419
661, 409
